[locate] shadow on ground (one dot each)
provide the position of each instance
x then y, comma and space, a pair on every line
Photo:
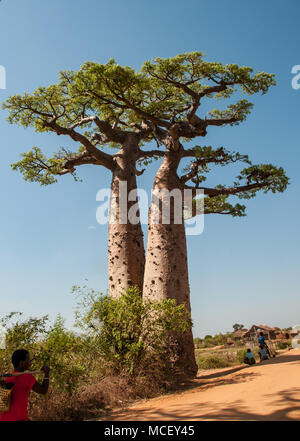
281, 359
234, 411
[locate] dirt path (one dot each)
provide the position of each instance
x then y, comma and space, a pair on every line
266, 391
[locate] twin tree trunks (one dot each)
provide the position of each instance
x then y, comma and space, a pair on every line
164, 273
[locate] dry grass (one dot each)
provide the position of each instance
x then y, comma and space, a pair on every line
99, 393
87, 401
97, 397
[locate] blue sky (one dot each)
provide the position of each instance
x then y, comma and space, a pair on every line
242, 270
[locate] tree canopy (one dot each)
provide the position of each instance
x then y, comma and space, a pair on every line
101, 103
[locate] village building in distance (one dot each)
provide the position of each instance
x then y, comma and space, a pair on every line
251, 334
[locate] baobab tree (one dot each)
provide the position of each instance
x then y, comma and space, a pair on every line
83, 108
166, 269
124, 107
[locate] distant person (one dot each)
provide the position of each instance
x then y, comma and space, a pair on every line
21, 386
263, 353
261, 342
249, 357
261, 339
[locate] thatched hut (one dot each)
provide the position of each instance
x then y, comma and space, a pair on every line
269, 333
239, 333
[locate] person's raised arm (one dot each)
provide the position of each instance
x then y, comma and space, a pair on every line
42, 388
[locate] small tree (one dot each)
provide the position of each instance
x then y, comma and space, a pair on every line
133, 335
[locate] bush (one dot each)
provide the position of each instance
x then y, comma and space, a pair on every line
198, 342
212, 362
52, 345
241, 354
220, 339
130, 333
121, 353
283, 344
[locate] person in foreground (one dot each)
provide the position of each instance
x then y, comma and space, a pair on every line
249, 357
21, 386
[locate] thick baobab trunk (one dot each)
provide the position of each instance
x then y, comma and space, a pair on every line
166, 269
125, 244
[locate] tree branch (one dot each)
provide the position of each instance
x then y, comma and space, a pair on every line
137, 110
81, 159
212, 89
211, 192
206, 155
103, 158
112, 134
220, 121
150, 153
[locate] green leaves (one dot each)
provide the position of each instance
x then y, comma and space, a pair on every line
266, 176
163, 89
35, 167
189, 78
50, 344
100, 102
262, 177
220, 205
220, 155
234, 114
117, 92
189, 69
217, 205
130, 331
44, 104
207, 155
106, 88
23, 333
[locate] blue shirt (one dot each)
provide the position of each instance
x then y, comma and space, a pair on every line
249, 355
261, 340
264, 354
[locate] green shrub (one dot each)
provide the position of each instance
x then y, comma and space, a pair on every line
220, 339
123, 350
52, 345
212, 362
198, 342
129, 332
241, 354
21, 333
283, 344
239, 343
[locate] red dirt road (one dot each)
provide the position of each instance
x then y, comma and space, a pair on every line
266, 391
